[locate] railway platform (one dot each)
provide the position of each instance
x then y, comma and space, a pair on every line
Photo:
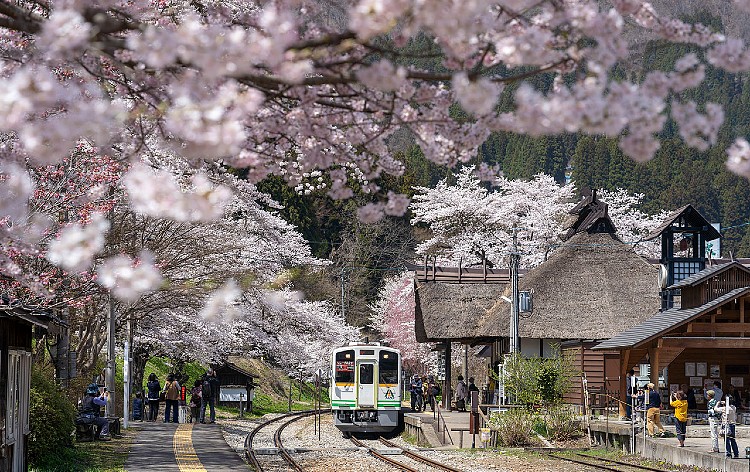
171, 447
450, 430
697, 450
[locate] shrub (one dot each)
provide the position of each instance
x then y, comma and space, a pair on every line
561, 423
51, 421
514, 428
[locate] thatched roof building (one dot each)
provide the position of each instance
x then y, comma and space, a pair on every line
452, 311
592, 287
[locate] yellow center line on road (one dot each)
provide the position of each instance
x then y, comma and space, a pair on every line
184, 452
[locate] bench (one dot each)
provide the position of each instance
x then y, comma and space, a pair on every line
87, 431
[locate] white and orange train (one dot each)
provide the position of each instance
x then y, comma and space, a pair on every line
366, 388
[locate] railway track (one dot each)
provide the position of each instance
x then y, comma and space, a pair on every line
286, 420
611, 465
404, 453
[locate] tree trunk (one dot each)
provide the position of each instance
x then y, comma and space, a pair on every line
140, 358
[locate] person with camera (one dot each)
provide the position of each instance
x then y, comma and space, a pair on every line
90, 409
679, 402
728, 419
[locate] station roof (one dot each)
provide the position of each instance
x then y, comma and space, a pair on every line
707, 273
665, 321
692, 217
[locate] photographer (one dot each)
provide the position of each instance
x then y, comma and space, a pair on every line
728, 419
90, 409
680, 405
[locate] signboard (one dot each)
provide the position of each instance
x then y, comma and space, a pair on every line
232, 394
440, 366
344, 366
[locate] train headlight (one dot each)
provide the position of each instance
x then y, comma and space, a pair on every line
348, 356
385, 356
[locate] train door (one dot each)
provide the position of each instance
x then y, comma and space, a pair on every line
367, 391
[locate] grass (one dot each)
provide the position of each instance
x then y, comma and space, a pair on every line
97, 456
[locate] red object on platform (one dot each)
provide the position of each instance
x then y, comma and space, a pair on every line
183, 390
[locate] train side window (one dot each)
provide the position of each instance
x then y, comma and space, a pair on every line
388, 367
366, 374
345, 367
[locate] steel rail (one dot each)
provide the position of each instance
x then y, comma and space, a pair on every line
249, 451
643, 467
602, 466
383, 457
417, 457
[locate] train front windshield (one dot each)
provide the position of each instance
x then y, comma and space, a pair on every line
388, 367
345, 367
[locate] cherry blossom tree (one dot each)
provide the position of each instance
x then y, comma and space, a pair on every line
293, 88
393, 317
470, 222
632, 223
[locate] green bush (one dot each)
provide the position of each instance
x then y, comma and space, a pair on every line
51, 421
515, 428
561, 423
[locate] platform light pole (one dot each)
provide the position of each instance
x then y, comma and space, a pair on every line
109, 379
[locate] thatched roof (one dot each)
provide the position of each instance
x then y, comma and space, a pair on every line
449, 311
591, 216
593, 287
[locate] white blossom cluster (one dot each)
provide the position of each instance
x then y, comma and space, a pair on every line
469, 222
75, 247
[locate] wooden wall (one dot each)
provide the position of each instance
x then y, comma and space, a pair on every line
602, 369
738, 361
14, 334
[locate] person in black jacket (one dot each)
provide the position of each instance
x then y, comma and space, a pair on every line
209, 395
154, 387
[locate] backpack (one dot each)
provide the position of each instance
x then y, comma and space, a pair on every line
172, 392
206, 390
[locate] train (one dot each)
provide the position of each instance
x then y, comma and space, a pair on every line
366, 388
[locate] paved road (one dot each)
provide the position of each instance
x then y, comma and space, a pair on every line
190, 447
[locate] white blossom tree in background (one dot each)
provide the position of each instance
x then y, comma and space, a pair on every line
633, 224
467, 221
288, 88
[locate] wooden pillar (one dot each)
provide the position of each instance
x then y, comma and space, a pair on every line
447, 395
653, 355
742, 316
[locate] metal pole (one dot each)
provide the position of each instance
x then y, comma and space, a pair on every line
515, 340
126, 377
109, 380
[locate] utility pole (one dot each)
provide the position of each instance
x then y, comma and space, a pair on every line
109, 380
515, 256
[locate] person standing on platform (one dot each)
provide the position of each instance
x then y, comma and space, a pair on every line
653, 412
714, 420
472, 388
154, 387
680, 405
172, 396
718, 392
415, 389
631, 388
728, 418
461, 393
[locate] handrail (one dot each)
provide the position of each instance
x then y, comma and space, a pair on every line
445, 427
